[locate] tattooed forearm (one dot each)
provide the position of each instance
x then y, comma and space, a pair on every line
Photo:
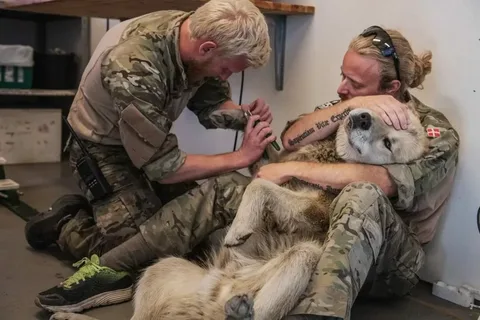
322, 124
306, 133
300, 137
319, 126
340, 116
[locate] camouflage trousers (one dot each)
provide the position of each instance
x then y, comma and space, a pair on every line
191, 221
369, 251
117, 217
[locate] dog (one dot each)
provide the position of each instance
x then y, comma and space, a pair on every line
275, 240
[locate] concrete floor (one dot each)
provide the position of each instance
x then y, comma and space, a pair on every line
24, 272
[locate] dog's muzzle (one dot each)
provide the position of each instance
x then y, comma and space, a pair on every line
361, 121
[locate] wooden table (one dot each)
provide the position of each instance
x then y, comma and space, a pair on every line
120, 9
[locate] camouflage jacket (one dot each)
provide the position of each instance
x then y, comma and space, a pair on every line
425, 184
136, 85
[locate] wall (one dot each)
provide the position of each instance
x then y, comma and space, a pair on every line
315, 48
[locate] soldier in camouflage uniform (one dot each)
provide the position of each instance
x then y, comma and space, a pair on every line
374, 244
384, 214
142, 75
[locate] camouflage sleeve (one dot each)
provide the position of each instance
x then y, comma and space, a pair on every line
206, 102
291, 122
421, 176
135, 76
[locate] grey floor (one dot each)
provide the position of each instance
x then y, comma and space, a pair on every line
24, 273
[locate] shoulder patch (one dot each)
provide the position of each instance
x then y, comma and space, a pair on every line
434, 132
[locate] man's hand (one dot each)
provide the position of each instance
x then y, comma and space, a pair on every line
392, 111
260, 108
255, 140
275, 172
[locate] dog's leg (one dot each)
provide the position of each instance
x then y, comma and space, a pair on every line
239, 308
249, 214
70, 316
290, 209
163, 287
282, 281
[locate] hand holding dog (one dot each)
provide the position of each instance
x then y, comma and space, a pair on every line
277, 173
392, 111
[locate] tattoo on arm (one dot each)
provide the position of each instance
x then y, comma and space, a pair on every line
340, 116
300, 137
322, 124
319, 125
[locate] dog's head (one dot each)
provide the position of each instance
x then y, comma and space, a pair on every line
365, 138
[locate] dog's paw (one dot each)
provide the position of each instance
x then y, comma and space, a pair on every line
239, 308
237, 236
69, 316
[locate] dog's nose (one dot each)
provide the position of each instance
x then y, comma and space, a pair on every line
361, 121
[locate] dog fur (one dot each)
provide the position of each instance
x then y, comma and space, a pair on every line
275, 240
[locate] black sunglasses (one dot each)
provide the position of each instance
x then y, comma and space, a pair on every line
384, 43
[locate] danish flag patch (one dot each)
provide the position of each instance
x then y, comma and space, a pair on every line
433, 132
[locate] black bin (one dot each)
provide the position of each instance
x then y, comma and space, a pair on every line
55, 71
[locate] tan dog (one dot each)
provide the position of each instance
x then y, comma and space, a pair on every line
275, 240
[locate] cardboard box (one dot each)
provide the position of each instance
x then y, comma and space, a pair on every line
31, 135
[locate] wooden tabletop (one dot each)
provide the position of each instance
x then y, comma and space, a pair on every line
132, 8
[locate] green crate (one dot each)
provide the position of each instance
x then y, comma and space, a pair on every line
16, 77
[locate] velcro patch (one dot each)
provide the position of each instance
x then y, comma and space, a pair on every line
434, 132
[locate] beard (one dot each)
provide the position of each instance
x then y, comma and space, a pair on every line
197, 71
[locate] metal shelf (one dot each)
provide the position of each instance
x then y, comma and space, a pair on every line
132, 8
32, 16
37, 92
125, 9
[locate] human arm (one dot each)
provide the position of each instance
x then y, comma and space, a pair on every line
324, 120
314, 126
254, 143
329, 176
401, 182
214, 108
133, 75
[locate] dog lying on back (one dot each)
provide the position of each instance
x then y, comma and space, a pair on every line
275, 241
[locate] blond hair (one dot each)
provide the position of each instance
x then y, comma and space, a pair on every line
413, 68
237, 26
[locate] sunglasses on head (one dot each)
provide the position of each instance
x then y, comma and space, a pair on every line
384, 43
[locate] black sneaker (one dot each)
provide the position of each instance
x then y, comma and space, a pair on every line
91, 286
44, 229
310, 317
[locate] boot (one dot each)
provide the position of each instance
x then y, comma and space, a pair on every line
44, 229
310, 317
